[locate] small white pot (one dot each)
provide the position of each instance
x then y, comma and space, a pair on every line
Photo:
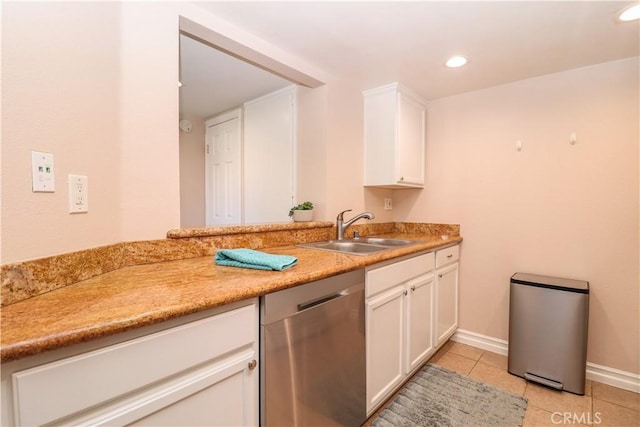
302, 216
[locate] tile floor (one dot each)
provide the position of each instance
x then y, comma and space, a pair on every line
602, 405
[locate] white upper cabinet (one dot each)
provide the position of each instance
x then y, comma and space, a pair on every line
394, 128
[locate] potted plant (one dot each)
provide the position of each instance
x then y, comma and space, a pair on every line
302, 212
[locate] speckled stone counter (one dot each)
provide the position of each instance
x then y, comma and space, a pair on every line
133, 296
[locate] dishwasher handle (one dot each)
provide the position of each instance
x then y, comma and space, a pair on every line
310, 304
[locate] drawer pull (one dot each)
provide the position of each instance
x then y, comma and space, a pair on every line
450, 256
253, 364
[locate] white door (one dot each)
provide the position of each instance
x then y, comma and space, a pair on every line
420, 311
223, 170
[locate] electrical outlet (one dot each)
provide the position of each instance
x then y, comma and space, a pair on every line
388, 204
78, 194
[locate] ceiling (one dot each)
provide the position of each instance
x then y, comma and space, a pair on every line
213, 81
374, 43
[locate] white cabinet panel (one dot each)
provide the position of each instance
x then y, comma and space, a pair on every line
447, 256
394, 129
126, 382
215, 405
447, 296
385, 342
410, 145
446, 293
382, 278
419, 321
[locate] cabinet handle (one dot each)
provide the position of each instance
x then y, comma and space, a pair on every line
440, 276
450, 256
402, 178
413, 289
405, 292
253, 364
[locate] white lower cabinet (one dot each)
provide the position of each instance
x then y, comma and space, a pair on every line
385, 345
399, 306
446, 293
197, 373
411, 310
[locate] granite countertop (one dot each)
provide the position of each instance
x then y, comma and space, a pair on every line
140, 295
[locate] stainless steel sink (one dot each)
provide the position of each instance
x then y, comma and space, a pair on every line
345, 246
385, 241
360, 246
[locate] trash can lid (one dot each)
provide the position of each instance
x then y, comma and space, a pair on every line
558, 283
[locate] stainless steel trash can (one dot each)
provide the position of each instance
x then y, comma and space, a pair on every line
548, 325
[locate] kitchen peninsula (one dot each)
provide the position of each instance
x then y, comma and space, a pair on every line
160, 327
148, 290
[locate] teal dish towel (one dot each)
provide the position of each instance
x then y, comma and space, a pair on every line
248, 258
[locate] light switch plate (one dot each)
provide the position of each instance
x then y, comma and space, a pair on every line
78, 194
42, 176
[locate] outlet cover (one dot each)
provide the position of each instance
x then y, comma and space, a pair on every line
42, 176
78, 194
388, 205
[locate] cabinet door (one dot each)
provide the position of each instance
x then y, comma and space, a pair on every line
385, 324
410, 146
447, 298
230, 400
419, 343
394, 123
163, 375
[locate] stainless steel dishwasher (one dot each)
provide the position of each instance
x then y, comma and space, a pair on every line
312, 352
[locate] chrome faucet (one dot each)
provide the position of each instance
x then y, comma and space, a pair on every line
341, 225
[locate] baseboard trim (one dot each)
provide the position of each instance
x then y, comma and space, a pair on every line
602, 374
613, 377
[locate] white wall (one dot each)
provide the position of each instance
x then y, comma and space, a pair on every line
311, 149
149, 161
553, 208
192, 173
60, 94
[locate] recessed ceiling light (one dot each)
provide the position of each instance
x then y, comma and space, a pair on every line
456, 61
630, 13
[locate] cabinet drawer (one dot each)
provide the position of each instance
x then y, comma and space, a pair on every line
73, 384
383, 278
447, 255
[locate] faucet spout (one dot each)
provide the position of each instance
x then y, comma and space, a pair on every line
341, 226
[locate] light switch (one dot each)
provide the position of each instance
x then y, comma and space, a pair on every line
42, 176
78, 194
